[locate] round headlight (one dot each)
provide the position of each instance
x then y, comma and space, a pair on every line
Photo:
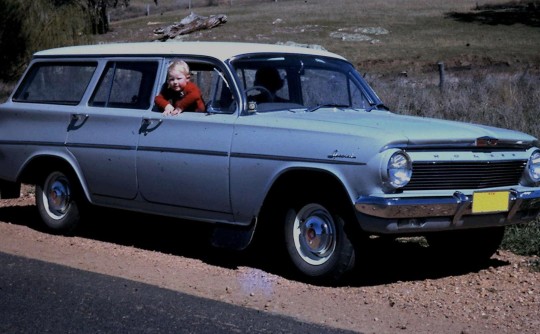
398, 170
532, 173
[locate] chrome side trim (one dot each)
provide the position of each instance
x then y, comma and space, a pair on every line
329, 160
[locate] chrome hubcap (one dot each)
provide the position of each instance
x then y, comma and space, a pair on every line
58, 196
314, 230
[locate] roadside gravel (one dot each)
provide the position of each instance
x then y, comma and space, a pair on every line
397, 290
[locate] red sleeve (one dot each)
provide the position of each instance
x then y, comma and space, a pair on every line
161, 101
192, 97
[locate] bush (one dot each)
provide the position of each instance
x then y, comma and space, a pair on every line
30, 26
524, 240
5, 90
504, 99
12, 38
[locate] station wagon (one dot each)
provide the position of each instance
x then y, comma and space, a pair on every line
315, 165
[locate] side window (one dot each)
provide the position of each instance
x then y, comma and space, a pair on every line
55, 83
214, 87
126, 85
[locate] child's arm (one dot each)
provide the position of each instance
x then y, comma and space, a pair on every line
163, 103
192, 95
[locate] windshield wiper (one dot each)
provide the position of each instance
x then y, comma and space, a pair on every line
327, 105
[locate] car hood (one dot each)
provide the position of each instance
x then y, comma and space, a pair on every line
413, 130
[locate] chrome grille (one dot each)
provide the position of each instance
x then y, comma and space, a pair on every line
465, 175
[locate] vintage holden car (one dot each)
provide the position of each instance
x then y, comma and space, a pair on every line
294, 148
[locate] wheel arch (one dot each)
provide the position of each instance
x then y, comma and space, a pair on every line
37, 167
307, 180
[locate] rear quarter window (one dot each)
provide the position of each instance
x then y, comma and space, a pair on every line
55, 83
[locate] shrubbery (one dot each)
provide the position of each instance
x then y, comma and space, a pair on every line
524, 240
503, 99
12, 37
29, 26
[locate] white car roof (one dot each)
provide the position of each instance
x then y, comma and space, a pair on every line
219, 50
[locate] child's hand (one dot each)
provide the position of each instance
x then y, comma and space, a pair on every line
169, 110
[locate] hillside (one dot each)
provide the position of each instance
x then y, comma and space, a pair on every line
379, 36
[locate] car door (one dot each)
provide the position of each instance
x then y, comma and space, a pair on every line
183, 160
40, 110
103, 137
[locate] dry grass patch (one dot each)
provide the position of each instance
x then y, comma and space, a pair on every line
420, 32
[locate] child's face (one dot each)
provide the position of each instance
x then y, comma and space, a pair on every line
177, 80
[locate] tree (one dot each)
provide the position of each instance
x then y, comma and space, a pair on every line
29, 26
11, 32
97, 13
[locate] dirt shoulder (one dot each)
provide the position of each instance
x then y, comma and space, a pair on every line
393, 292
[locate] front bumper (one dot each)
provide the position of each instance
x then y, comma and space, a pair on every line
398, 214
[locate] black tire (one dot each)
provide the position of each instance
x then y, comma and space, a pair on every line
317, 244
57, 201
473, 246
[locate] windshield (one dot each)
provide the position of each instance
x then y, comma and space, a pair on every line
278, 82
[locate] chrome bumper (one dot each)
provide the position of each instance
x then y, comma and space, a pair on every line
455, 207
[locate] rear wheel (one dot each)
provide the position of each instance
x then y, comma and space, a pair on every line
316, 242
57, 201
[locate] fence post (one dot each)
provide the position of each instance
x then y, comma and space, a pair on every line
441, 75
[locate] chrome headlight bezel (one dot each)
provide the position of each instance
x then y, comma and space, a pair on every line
396, 170
531, 174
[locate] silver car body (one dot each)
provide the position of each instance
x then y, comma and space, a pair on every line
221, 165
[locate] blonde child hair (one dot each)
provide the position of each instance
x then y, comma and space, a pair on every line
181, 66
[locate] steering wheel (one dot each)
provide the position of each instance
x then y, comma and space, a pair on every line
263, 90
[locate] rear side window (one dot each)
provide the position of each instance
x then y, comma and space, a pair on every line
126, 84
55, 83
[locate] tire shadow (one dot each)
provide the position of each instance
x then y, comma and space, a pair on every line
379, 262
408, 260
24, 215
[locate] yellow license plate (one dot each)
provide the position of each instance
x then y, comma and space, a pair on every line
492, 201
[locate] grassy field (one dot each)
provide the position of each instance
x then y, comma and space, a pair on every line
419, 33
490, 48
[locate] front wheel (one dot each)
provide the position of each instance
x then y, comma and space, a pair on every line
317, 243
56, 202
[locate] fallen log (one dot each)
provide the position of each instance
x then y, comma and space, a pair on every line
189, 24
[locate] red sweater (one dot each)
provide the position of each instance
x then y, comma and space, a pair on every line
189, 99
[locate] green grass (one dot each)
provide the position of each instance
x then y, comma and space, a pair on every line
524, 240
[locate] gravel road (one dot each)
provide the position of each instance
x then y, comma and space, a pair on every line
397, 290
